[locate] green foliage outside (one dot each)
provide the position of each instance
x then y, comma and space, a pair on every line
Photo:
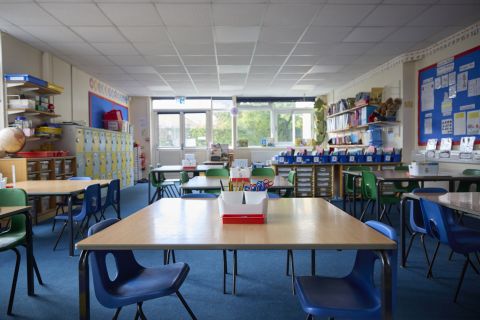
222, 128
253, 126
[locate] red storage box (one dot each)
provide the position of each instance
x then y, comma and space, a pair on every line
243, 219
113, 115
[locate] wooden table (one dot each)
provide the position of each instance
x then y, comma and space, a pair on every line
468, 202
67, 188
203, 183
7, 212
293, 223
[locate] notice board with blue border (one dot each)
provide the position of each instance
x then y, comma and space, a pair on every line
99, 105
449, 98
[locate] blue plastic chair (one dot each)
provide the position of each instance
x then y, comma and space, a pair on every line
199, 196
353, 296
416, 220
112, 199
460, 239
133, 283
90, 206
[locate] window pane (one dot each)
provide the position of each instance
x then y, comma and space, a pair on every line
168, 130
303, 126
173, 104
222, 104
253, 126
284, 127
195, 130
222, 128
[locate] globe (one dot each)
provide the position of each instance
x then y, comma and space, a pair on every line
12, 140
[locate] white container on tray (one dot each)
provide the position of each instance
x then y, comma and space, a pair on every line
230, 203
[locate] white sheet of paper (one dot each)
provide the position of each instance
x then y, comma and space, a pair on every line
427, 126
473, 122
438, 83
472, 87
452, 77
447, 126
459, 124
445, 81
462, 79
427, 96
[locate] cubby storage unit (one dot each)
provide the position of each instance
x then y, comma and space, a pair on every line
100, 154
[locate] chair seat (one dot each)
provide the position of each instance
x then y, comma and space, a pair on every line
9, 240
338, 297
148, 284
75, 215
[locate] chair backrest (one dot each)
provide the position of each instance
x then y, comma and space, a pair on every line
416, 216
291, 176
184, 177
79, 178
263, 172
11, 198
365, 260
113, 193
436, 221
464, 186
401, 168
91, 200
124, 260
349, 182
217, 172
199, 196
369, 187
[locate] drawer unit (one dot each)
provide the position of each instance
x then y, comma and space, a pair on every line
324, 181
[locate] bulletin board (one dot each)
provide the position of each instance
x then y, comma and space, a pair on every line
98, 105
449, 98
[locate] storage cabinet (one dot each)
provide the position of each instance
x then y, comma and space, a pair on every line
101, 154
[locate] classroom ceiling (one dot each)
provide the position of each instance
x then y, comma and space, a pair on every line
232, 47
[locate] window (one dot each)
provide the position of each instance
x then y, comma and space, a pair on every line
195, 130
253, 126
284, 128
293, 127
222, 127
168, 130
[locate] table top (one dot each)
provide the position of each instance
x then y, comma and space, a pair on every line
10, 211
212, 183
198, 168
468, 202
398, 175
56, 187
292, 223
210, 163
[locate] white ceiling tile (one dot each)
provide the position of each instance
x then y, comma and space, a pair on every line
280, 34
163, 60
204, 77
171, 69
326, 34
115, 77
236, 34
336, 59
132, 14
202, 69
109, 70
91, 60
373, 59
444, 33
72, 48
4, 22
268, 60
99, 34
273, 48
174, 14
291, 15
52, 33
154, 48
316, 76
325, 68
311, 49
265, 69
233, 69
342, 15
232, 76
145, 34
349, 48
206, 49
289, 76
392, 15
115, 48
176, 76
124, 84
134, 60
191, 34
445, 15
198, 60
238, 14
140, 70
77, 14
303, 87
390, 48
302, 60
411, 1
355, 1
295, 69
369, 34
412, 34
26, 14
242, 48
234, 60
160, 88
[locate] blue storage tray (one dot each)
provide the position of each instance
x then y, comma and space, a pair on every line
360, 158
326, 159
397, 158
307, 159
18, 77
378, 158
343, 159
334, 159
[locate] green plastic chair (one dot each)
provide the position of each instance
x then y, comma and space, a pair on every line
15, 236
217, 172
161, 185
400, 187
369, 192
349, 184
464, 186
263, 172
291, 179
184, 178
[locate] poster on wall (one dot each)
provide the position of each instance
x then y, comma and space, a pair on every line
103, 98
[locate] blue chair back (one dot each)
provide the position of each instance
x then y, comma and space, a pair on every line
125, 262
199, 196
91, 203
437, 223
79, 178
365, 261
113, 193
417, 220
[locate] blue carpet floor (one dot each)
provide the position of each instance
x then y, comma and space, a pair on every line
263, 290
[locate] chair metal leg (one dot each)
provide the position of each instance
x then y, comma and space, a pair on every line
429, 273
224, 271
312, 261
410, 245
309, 317
365, 210
473, 266
60, 236
14, 281
172, 252
234, 289
450, 255
117, 312
422, 239
140, 311
37, 272
288, 263
462, 275
190, 312
293, 271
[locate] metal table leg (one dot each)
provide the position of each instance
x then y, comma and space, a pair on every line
70, 223
84, 286
379, 205
29, 247
344, 191
355, 178
148, 193
403, 204
386, 290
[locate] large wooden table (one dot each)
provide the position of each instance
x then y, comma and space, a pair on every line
467, 202
7, 212
67, 188
203, 183
293, 223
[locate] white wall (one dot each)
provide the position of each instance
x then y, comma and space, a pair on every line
19, 57
62, 75
140, 117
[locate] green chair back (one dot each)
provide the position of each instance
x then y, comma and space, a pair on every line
12, 198
156, 179
349, 183
401, 168
217, 172
369, 188
263, 172
184, 177
291, 177
464, 186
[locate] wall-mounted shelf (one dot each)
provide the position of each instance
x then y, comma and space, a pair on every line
350, 110
33, 112
46, 139
348, 145
29, 87
363, 126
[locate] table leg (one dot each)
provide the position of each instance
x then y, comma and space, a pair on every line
344, 191
451, 185
387, 282
403, 204
378, 204
313, 258
70, 224
355, 178
29, 247
84, 286
119, 215
148, 193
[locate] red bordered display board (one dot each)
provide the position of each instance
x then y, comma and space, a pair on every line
449, 98
99, 105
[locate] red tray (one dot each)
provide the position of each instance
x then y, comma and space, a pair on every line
42, 154
244, 219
